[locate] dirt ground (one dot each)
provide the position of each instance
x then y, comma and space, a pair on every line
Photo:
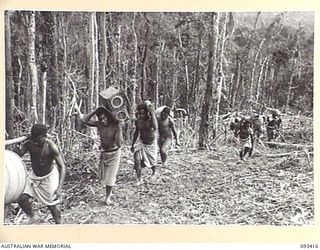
212, 187
197, 187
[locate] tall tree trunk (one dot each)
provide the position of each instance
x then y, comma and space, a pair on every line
144, 58
144, 73
20, 102
65, 124
43, 93
254, 69
44, 55
220, 69
125, 76
197, 82
119, 56
135, 85
64, 90
186, 70
236, 90
175, 77
156, 87
9, 78
230, 87
197, 79
270, 86
96, 61
294, 61
158, 73
204, 125
91, 60
274, 86
262, 68
55, 89
264, 83
104, 50
31, 31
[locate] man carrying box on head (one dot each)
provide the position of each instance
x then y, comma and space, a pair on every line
110, 131
145, 150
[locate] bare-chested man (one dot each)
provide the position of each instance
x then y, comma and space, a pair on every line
245, 133
47, 176
111, 139
273, 127
166, 128
145, 150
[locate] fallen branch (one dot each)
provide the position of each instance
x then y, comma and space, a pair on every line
215, 139
179, 150
308, 156
281, 144
18, 217
287, 154
87, 219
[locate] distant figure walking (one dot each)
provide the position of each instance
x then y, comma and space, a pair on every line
245, 134
273, 127
166, 128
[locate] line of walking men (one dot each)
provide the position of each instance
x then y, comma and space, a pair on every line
45, 182
249, 129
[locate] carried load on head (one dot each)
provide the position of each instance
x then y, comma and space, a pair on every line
158, 111
116, 102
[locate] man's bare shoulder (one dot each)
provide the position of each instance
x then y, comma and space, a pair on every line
171, 120
52, 145
50, 141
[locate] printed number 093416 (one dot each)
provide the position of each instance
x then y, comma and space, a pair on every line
308, 246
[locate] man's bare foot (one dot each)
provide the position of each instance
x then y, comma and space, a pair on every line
140, 181
108, 201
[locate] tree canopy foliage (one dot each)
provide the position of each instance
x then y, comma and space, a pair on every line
263, 57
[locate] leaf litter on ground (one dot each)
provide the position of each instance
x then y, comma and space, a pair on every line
197, 187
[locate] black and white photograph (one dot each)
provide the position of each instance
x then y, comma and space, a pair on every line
159, 118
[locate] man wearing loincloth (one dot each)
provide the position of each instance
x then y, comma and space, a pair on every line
245, 134
166, 128
145, 150
45, 180
110, 131
273, 126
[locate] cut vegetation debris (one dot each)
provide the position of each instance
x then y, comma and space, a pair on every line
198, 187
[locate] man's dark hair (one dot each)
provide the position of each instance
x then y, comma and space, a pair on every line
38, 129
142, 106
102, 110
166, 110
